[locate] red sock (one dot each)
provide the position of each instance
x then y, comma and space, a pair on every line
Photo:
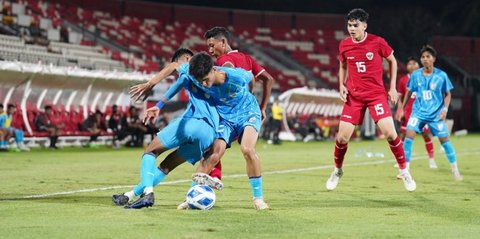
339, 153
217, 171
429, 147
397, 149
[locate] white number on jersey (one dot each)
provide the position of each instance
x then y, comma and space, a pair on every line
427, 94
379, 109
361, 66
412, 121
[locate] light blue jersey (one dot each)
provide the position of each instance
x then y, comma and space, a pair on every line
430, 92
236, 105
195, 131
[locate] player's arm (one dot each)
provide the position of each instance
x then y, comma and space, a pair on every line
342, 74
153, 112
392, 63
141, 91
267, 82
446, 103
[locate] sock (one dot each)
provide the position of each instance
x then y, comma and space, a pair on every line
18, 136
429, 147
158, 177
396, 146
147, 170
130, 195
339, 153
148, 190
217, 171
449, 152
3, 144
256, 184
407, 147
137, 190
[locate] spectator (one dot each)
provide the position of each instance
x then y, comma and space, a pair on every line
114, 123
134, 127
48, 122
277, 117
4, 133
95, 125
5, 124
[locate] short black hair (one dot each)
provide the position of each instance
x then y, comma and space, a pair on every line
357, 14
180, 52
1, 105
429, 49
411, 58
217, 32
48, 107
10, 106
200, 65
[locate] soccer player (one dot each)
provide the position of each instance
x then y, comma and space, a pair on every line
193, 133
218, 43
404, 112
361, 56
5, 123
239, 117
432, 87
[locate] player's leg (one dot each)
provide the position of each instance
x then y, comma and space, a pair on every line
208, 164
253, 168
440, 129
427, 137
18, 134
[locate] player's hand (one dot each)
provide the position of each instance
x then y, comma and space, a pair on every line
343, 93
264, 116
399, 114
393, 94
150, 114
443, 115
140, 91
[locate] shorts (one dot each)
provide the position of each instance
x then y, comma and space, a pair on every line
355, 107
404, 121
438, 128
230, 131
192, 136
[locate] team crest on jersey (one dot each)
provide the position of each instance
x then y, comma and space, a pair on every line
369, 55
207, 95
433, 86
194, 88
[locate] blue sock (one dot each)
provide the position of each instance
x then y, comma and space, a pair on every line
450, 152
407, 148
137, 190
147, 170
158, 177
256, 184
18, 136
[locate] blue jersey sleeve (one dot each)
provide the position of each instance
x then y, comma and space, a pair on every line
176, 87
183, 69
447, 84
3, 118
412, 82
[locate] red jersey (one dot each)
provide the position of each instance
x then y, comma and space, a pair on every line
402, 89
364, 64
240, 60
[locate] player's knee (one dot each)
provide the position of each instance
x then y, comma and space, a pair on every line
248, 151
342, 139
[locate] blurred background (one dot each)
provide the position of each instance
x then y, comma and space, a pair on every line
79, 57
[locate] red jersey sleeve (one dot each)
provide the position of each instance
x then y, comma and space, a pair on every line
256, 68
384, 49
402, 85
341, 57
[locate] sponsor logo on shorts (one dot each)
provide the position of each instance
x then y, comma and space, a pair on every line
347, 116
253, 119
369, 55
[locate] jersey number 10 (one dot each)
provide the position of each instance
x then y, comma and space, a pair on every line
427, 94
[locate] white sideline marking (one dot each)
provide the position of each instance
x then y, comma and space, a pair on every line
230, 176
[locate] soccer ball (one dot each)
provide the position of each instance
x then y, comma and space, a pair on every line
200, 197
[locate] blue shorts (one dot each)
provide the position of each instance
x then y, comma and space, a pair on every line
438, 128
229, 131
192, 136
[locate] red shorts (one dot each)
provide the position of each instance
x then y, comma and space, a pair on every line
354, 109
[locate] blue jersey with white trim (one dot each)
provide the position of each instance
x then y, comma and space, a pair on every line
430, 92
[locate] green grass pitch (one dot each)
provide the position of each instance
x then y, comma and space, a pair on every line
74, 187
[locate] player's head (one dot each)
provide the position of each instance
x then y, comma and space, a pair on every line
182, 55
357, 23
218, 39
412, 64
201, 67
428, 56
11, 109
48, 109
1, 108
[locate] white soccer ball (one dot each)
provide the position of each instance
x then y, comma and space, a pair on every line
200, 197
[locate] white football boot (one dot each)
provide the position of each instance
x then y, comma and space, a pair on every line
334, 178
